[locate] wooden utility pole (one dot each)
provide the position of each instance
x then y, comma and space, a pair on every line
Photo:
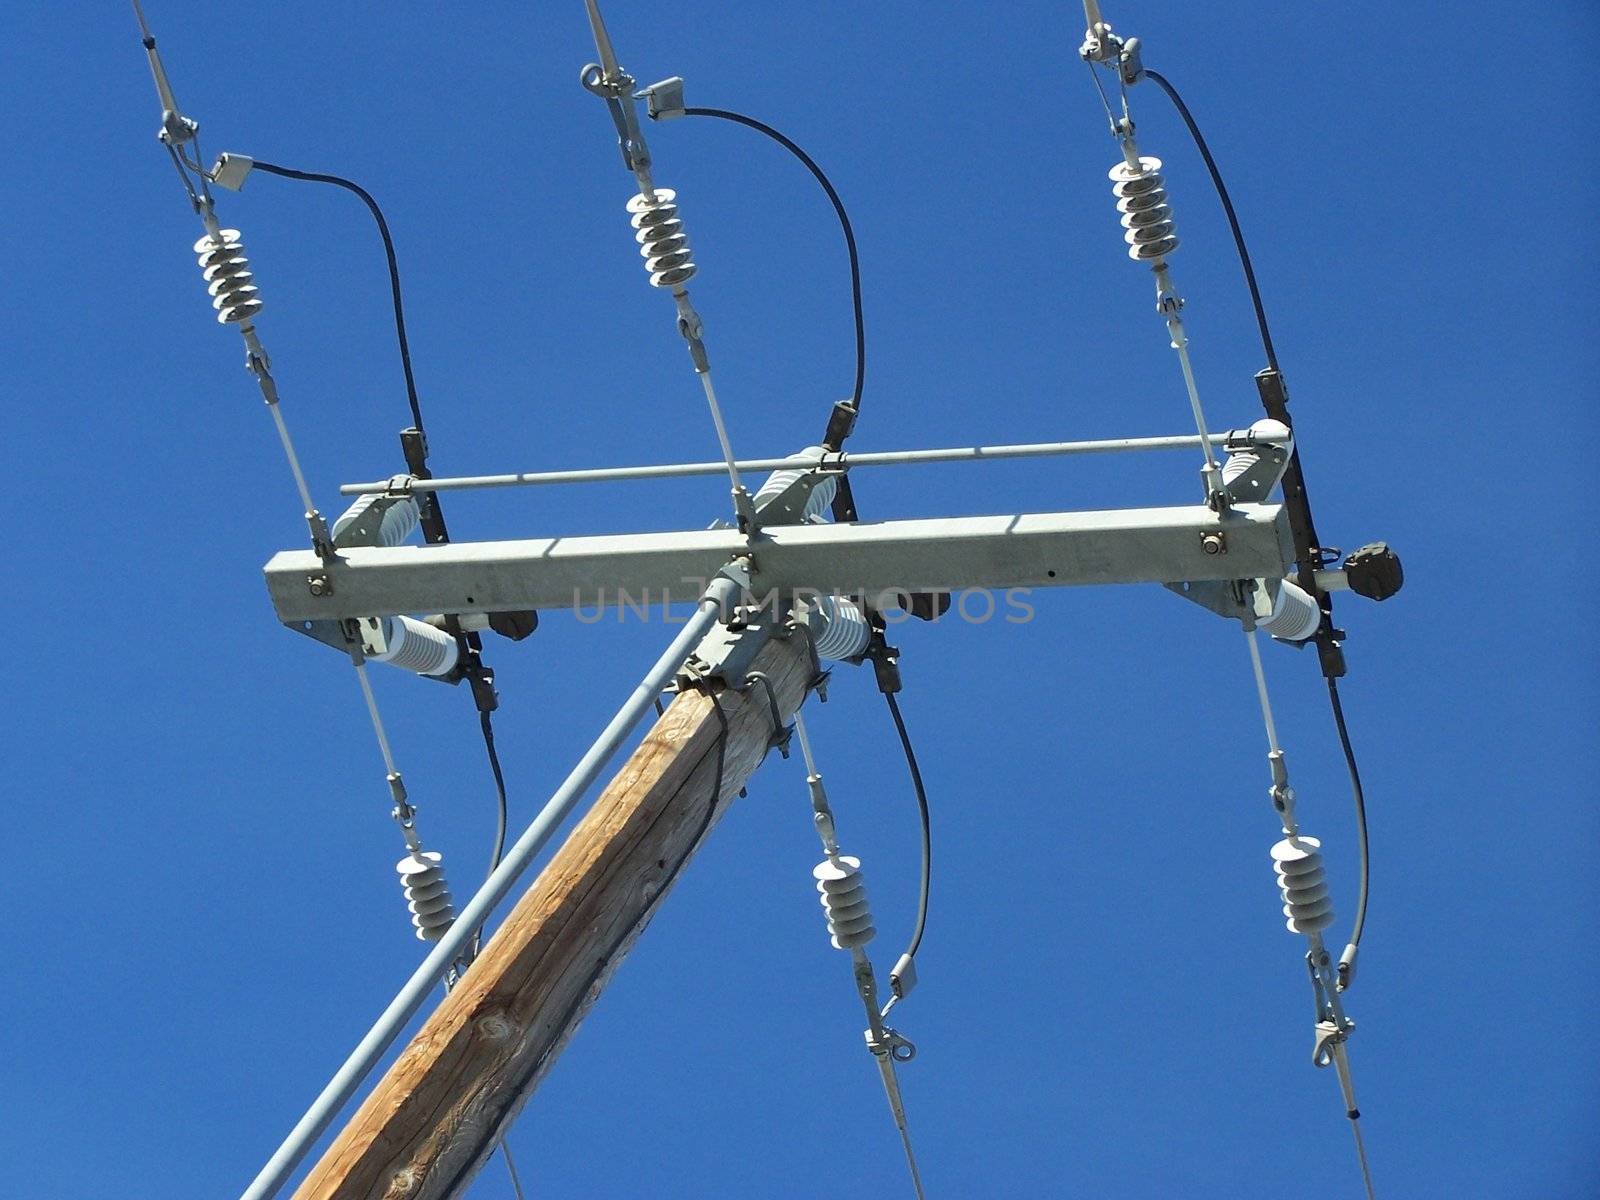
434, 1118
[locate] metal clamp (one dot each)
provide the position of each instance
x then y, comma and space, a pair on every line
781, 733
891, 1044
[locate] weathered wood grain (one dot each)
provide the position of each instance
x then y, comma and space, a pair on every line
434, 1118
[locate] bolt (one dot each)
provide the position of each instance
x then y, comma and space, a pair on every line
319, 585
1213, 543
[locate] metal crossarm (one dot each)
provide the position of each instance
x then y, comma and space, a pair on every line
877, 559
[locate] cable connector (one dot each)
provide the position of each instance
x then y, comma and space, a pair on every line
841, 424
664, 100
230, 170
1347, 966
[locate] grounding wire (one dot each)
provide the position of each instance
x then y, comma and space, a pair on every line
388, 250
1356, 790
844, 224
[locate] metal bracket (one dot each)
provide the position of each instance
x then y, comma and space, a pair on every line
1328, 1036
781, 733
893, 1044
364, 530
1256, 482
729, 651
788, 506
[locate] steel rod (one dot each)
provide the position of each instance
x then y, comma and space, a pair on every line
842, 461
411, 997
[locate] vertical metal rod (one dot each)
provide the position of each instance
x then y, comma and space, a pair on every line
722, 432
1261, 692
377, 721
294, 459
805, 744
412, 996
1180, 342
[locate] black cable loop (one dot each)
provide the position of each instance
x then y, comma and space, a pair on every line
1227, 207
844, 224
394, 268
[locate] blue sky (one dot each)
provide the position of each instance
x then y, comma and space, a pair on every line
204, 917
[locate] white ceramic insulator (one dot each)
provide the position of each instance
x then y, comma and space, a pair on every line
394, 527
821, 495
844, 899
662, 242
417, 647
1146, 216
1295, 614
228, 278
427, 893
1264, 432
1303, 884
845, 633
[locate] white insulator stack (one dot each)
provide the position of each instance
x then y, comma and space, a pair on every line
1303, 883
821, 495
845, 632
416, 646
227, 274
390, 527
844, 899
1295, 614
1146, 216
662, 241
1265, 433
427, 893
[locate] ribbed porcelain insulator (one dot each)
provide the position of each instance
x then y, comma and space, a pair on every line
228, 278
417, 647
390, 528
844, 899
427, 893
1303, 884
822, 494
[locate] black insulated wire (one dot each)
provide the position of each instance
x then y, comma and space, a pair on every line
1227, 207
486, 725
388, 250
844, 224
1356, 790
927, 833
1359, 793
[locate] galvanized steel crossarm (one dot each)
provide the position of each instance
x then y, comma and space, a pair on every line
875, 559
